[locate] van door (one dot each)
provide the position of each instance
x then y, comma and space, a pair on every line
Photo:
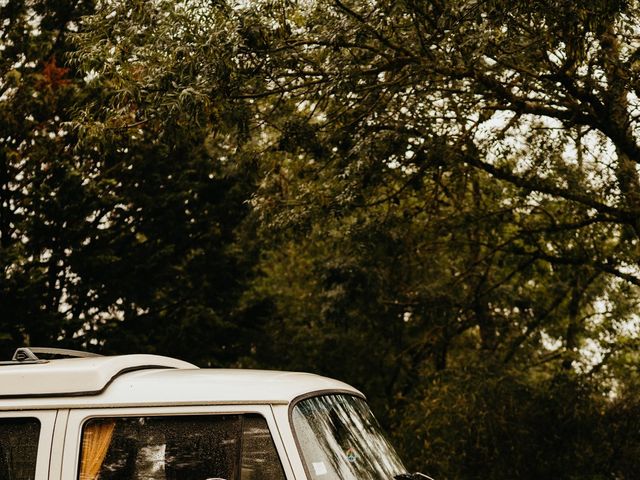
25, 444
232, 442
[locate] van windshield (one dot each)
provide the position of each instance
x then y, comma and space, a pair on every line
340, 439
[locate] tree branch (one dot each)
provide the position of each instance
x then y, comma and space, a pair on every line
543, 186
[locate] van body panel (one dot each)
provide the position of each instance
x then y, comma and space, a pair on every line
281, 414
157, 387
57, 445
75, 376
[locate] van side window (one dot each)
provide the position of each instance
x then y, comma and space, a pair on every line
18, 448
225, 447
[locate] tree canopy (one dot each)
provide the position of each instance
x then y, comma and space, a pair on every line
437, 201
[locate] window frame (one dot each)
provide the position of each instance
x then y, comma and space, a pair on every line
78, 418
47, 419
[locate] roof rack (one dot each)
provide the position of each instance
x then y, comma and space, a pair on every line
27, 355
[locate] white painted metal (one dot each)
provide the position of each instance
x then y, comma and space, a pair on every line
281, 414
57, 445
71, 376
186, 387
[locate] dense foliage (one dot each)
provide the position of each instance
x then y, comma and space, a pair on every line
437, 201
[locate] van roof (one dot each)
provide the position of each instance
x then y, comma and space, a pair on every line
74, 376
146, 380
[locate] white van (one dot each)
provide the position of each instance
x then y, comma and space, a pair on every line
148, 417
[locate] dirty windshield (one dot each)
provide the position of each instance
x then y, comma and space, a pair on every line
340, 439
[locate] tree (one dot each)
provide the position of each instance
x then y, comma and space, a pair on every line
531, 112
35, 88
117, 237
444, 201
389, 93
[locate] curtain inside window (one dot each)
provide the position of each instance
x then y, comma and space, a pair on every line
96, 438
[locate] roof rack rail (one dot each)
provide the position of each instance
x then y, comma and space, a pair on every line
28, 354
